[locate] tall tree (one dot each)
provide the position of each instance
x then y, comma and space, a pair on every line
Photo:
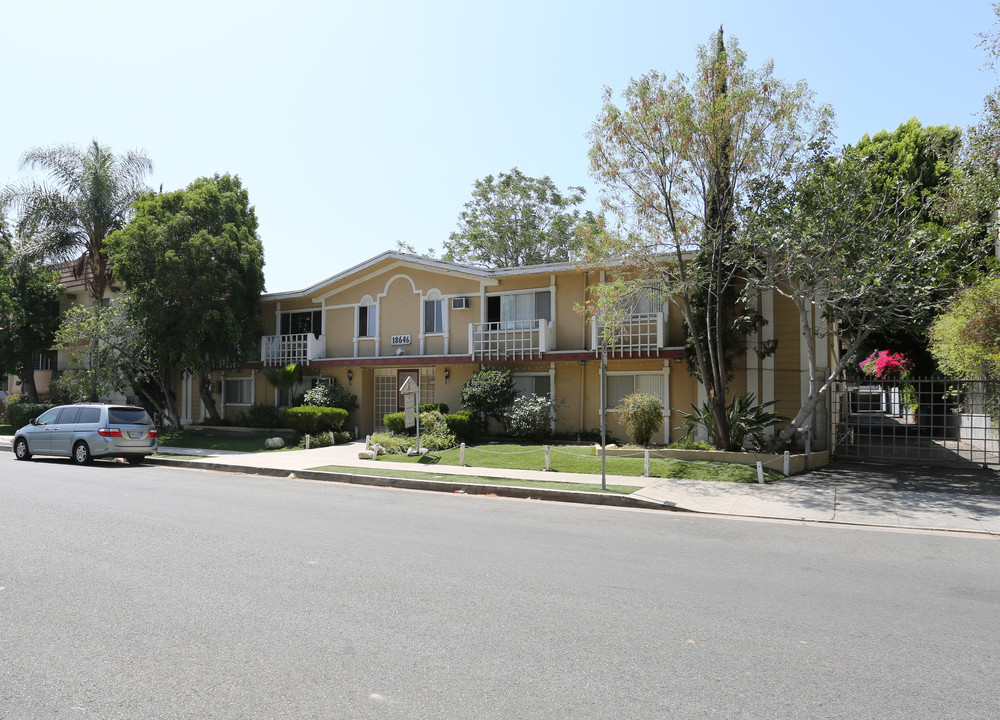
849, 245
29, 312
514, 220
193, 268
86, 195
674, 159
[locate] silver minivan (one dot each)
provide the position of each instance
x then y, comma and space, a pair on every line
86, 431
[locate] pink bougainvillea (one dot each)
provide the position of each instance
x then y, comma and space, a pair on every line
883, 364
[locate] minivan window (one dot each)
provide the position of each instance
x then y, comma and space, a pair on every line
48, 417
89, 415
68, 415
128, 416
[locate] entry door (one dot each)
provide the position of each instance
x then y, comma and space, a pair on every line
401, 376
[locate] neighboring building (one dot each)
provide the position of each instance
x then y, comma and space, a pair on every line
398, 315
52, 363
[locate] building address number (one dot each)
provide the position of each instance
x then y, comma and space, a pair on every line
400, 340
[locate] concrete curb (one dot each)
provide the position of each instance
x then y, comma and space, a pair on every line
526, 493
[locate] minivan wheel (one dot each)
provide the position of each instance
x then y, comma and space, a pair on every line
81, 453
21, 449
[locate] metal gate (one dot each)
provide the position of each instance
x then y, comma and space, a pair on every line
926, 421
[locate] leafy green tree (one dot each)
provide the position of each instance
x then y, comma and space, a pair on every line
965, 339
29, 312
852, 243
87, 194
490, 392
676, 159
193, 268
514, 220
120, 360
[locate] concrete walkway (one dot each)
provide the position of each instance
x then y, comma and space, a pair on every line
895, 497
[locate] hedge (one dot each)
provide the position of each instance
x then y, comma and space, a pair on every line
312, 420
463, 425
20, 414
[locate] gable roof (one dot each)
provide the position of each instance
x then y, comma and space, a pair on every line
434, 264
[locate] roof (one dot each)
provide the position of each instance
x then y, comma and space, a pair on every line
442, 266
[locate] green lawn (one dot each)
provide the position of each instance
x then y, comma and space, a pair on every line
577, 459
480, 480
183, 438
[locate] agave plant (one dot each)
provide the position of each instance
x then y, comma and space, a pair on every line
748, 422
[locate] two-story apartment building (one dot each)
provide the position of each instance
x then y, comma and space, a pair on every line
399, 315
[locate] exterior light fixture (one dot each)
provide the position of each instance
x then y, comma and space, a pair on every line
447, 374
350, 375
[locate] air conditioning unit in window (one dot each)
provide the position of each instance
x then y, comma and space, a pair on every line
460, 303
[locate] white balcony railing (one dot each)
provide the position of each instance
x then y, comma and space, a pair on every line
510, 339
281, 350
636, 335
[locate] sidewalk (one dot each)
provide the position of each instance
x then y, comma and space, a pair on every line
895, 497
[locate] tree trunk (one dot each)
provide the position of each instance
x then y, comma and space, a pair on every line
205, 390
27, 378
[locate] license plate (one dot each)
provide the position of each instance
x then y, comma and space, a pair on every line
135, 434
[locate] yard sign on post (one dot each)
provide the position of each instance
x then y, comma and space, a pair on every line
411, 405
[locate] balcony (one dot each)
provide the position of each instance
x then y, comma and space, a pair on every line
281, 350
509, 339
637, 335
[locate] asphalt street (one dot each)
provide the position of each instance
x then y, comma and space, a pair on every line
149, 592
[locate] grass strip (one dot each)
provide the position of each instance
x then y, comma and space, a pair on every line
480, 480
577, 459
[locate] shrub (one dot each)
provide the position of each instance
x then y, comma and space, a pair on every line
748, 422
689, 444
531, 417
315, 441
463, 425
20, 414
642, 415
67, 389
490, 393
313, 420
396, 423
431, 407
262, 415
331, 395
342, 436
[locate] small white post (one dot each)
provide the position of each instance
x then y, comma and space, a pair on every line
760, 472
788, 463
548, 459
461, 454
307, 441
646, 471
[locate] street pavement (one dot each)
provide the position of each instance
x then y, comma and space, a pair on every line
853, 494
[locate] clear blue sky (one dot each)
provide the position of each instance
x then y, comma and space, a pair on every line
357, 124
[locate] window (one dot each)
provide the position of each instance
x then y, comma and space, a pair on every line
300, 323
44, 361
433, 316
533, 385
238, 391
366, 321
513, 307
619, 386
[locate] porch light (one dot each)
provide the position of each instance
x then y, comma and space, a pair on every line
447, 374
350, 375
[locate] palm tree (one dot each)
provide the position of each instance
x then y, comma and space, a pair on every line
87, 195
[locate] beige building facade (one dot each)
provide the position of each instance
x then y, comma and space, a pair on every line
397, 315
